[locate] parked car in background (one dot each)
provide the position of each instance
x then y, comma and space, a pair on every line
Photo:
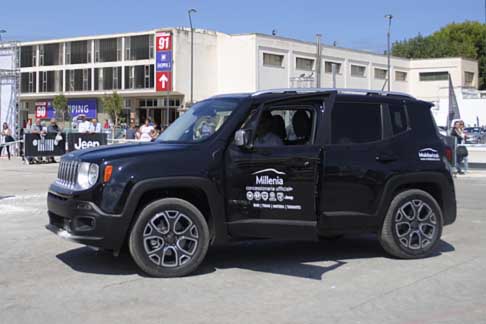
473, 135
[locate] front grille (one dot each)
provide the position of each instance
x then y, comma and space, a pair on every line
67, 173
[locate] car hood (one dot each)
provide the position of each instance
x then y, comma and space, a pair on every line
118, 151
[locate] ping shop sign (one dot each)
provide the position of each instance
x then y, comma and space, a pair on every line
76, 107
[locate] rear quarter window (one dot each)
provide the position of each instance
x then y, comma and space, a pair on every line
398, 118
421, 119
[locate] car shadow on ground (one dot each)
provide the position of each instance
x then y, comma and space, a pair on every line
310, 260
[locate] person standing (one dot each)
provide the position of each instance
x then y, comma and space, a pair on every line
145, 130
131, 132
84, 125
94, 126
458, 133
7, 134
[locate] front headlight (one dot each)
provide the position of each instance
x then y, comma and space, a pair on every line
87, 174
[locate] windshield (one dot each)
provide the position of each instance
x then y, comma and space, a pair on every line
201, 121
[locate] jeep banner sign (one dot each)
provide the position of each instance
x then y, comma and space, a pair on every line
78, 141
47, 145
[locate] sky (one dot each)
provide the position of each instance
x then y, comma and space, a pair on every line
357, 24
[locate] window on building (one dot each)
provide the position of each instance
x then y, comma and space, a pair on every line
434, 76
355, 123
304, 64
27, 56
78, 80
28, 82
468, 78
358, 70
107, 50
328, 67
400, 76
273, 60
108, 78
50, 81
381, 74
78, 52
139, 77
398, 118
50, 54
139, 47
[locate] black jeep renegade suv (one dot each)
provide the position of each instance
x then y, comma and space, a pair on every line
283, 164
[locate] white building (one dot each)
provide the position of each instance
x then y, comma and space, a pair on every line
151, 70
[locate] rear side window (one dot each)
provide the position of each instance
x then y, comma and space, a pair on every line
398, 118
354, 123
421, 120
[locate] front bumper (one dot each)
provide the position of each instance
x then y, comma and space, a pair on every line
83, 222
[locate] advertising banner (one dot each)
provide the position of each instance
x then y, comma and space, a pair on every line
80, 141
50, 144
76, 107
163, 62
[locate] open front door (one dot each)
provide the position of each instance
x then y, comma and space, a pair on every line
271, 187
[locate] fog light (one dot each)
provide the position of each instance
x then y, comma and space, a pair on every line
84, 223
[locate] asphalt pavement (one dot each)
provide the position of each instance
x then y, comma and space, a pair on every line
44, 279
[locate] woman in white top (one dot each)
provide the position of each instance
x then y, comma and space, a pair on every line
145, 130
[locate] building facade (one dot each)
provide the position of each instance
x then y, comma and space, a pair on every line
151, 71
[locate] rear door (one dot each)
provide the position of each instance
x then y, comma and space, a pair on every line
358, 160
271, 189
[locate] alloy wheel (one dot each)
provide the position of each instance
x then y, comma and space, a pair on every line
170, 239
415, 225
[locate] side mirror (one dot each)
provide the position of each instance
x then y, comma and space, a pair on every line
242, 137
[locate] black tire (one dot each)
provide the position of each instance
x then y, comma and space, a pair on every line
408, 211
154, 238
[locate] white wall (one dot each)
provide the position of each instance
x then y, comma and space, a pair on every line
470, 109
205, 63
236, 61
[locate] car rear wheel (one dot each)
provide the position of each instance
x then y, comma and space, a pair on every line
169, 239
412, 226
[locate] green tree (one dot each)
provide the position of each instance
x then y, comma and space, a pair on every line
466, 40
113, 106
60, 104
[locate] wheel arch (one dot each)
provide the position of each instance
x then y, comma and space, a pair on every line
200, 192
435, 183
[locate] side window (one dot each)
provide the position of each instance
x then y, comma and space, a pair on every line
354, 123
398, 118
285, 126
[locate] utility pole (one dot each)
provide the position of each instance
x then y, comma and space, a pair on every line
389, 17
189, 12
318, 60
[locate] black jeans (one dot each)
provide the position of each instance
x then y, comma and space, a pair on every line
8, 150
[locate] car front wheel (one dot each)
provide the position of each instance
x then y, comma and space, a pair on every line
169, 239
412, 226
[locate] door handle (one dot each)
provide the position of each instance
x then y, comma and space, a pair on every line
301, 164
385, 157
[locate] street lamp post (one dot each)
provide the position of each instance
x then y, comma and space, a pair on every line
318, 60
389, 17
189, 12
